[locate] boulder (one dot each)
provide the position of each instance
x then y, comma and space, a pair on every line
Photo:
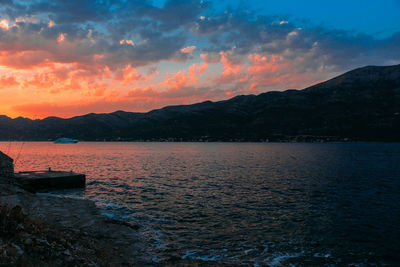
6, 166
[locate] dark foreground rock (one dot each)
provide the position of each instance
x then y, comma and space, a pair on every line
50, 231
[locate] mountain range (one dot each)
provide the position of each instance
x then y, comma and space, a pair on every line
359, 105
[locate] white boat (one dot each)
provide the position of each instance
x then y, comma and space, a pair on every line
66, 141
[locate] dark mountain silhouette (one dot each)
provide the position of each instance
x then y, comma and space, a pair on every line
363, 104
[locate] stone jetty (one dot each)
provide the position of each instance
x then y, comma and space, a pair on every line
41, 180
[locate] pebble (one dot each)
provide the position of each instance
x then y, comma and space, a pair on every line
28, 241
42, 241
19, 249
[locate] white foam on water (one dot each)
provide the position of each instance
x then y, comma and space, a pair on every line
276, 260
191, 254
321, 255
109, 215
207, 258
50, 195
250, 251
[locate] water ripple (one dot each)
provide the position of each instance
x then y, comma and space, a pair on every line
258, 204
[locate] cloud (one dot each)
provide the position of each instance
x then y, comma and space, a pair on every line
61, 37
93, 49
4, 24
232, 68
247, 34
67, 37
129, 75
138, 33
177, 13
72, 11
188, 49
8, 81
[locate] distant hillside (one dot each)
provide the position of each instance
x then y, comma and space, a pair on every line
362, 104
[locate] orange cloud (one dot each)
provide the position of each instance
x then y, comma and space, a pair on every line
253, 88
262, 65
180, 79
128, 75
24, 59
61, 37
261, 73
145, 93
188, 49
231, 70
4, 24
202, 68
184, 78
274, 71
129, 42
7, 81
41, 81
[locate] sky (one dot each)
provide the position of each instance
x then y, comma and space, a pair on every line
67, 58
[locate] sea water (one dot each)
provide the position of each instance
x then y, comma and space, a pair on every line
242, 203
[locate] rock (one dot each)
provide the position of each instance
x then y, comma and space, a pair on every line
67, 252
42, 238
25, 235
130, 225
18, 249
42, 241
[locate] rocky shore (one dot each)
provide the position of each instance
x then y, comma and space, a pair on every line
39, 230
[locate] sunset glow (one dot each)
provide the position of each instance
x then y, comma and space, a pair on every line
69, 58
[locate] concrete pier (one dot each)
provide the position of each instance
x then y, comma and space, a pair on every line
40, 180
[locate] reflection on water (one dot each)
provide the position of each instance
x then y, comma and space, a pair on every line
242, 202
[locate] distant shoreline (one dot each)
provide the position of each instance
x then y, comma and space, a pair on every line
216, 141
